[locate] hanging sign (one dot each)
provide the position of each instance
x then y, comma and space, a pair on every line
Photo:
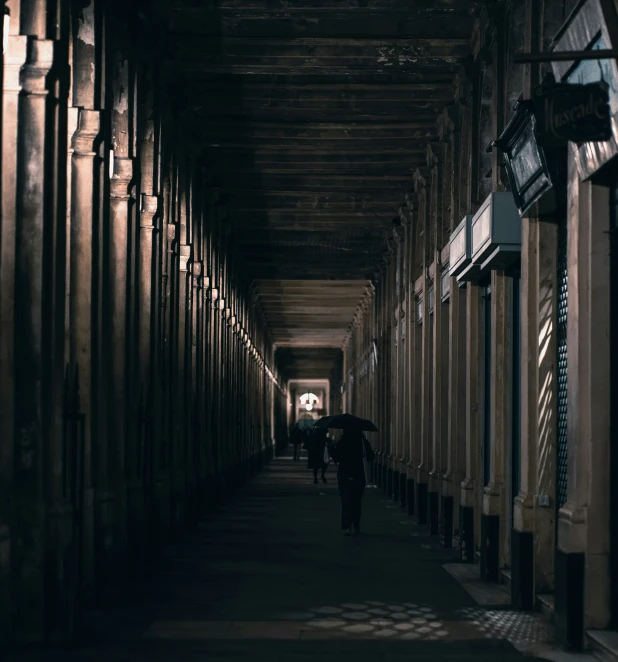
571, 112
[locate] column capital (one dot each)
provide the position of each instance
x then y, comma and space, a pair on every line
120, 183
398, 234
446, 123
14, 58
420, 183
149, 208
86, 133
39, 61
433, 156
184, 255
411, 203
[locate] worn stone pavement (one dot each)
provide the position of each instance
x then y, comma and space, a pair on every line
270, 577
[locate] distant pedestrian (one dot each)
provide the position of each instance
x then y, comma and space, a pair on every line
350, 454
318, 458
297, 437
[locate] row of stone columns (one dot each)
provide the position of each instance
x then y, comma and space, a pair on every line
452, 377
135, 381
427, 331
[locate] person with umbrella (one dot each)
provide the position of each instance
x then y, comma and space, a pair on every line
350, 454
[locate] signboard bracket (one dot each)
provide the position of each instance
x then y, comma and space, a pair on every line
564, 56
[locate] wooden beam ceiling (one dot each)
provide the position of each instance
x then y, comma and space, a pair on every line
312, 117
307, 362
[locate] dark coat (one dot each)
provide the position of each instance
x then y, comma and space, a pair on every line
315, 449
350, 453
296, 436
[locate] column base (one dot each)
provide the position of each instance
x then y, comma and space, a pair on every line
446, 522
490, 527
161, 503
191, 501
60, 620
434, 513
522, 569
177, 506
403, 494
389, 482
395, 490
410, 496
569, 593
466, 534
421, 502
136, 528
104, 542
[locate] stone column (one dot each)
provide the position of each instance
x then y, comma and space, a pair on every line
456, 454
391, 357
31, 426
582, 558
14, 58
422, 478
183, 388
416, 367
494, 518
456, 441
96, 516
469, 515
146, 322
168, 254
522, 561
395, 386
407, 213
438, 351
120, 209
148, 208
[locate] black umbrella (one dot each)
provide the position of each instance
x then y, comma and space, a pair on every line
346, 422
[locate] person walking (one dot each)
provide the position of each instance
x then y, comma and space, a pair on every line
350, 453
297, 437
317, 453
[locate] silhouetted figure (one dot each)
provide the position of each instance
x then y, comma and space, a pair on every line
350, 453
297, 437
316, 447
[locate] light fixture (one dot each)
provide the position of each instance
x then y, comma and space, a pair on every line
309, 406
526, 166
111, 163
496, 232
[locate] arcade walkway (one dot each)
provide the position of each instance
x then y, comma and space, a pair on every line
269, 577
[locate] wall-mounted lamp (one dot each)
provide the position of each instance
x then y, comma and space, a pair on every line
526, 166
111, 163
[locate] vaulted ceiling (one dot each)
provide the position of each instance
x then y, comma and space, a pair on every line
314, 114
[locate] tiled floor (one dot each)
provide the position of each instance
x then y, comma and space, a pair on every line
270, 577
